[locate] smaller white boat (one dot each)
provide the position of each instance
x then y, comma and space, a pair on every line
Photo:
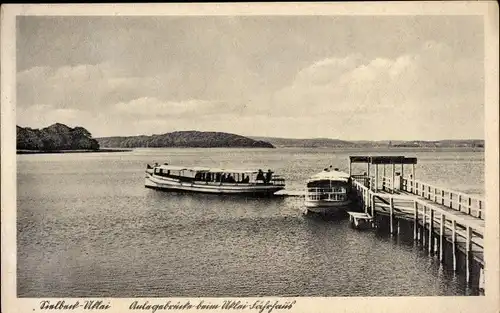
328, 192
213, 180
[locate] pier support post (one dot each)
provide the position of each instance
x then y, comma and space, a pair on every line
373, 205
454, 243
431, 229
441, 237
391, 214
384, 180
413, 178
424, 218
415, 220
365, 200
481, 279
393, 176
468, 253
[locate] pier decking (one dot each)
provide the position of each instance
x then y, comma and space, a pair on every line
449, 224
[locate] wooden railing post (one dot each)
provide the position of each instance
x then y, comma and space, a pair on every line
479, 211
460, 203
469, 205
451, 200
442, 197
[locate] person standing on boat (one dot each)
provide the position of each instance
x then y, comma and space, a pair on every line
260, 176
269, 175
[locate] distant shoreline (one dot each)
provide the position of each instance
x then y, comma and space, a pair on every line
71, 151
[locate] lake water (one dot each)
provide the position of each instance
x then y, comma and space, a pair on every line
86, 226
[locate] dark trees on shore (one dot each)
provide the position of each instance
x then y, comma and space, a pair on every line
55, 137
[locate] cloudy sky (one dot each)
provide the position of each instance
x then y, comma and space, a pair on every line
347, 77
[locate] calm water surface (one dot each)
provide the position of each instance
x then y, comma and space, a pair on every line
88, 227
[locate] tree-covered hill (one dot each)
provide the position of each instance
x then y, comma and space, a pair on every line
193, 139
55, 137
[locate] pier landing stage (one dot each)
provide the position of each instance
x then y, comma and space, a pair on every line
448, 223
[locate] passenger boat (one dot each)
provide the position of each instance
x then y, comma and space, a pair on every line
213, 180
328, 192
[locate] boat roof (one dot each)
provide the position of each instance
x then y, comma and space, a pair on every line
206, 169
329, 175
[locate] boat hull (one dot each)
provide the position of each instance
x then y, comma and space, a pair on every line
326, 207
209, 187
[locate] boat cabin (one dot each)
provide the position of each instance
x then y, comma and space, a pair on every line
329, 185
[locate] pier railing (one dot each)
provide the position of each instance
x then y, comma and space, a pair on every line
452, 199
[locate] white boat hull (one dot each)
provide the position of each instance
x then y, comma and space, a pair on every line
171, 184
326, 207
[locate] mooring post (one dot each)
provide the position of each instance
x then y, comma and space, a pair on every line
468, 253
415, 220
441, 237
454, 243
431, 229
391, 214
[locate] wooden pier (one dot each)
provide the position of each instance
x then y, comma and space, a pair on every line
448, 224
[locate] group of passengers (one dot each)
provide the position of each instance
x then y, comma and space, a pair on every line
265, 178
221, 177
229, 178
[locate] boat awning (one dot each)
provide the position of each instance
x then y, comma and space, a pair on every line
330, 175
172, 167
206, 169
